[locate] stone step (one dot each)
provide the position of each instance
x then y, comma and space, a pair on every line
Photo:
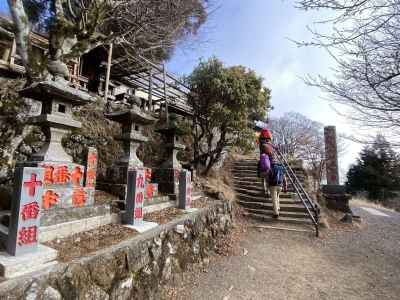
254, 186
246, 163
257, 187
293, 215
260, 193
245, 168
255, 183
244, 172
253, 176
261, 198
268, 206
248, 178
269, 200
282, 220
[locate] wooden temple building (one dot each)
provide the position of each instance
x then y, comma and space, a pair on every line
109, 76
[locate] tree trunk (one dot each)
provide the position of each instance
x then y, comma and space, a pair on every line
22, 30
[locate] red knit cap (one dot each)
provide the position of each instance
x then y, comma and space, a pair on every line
266, 134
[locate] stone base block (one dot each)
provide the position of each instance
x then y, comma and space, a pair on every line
63, 230
158, 206
333, 189
336, 198
144, 226
14, 266
63, 215
190, 210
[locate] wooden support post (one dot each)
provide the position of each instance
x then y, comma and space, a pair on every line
165, 94
150, 98
108, 71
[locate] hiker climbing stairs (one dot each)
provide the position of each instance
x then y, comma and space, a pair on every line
257, 204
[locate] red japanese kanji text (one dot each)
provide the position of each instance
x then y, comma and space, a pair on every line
27, 235
30, 211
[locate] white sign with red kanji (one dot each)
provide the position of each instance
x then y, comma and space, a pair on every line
185, 190
25, 211
135, 197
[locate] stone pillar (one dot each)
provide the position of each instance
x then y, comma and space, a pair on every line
185, 190
135, 197
24, 253
331, 156
334, 194
167, 176
134, 214
23, 235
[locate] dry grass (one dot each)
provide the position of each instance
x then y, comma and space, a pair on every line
359, 201
88, 242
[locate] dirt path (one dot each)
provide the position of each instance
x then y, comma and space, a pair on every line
356, 264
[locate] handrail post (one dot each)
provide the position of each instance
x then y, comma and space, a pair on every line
299, 189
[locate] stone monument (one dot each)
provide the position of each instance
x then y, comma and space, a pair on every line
21, 238
331, 154
133, 215
334, 193
185, 191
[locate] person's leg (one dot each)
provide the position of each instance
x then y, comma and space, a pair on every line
274, 197
278, 191
265, 185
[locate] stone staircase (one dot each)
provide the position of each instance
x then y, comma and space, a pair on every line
250, 194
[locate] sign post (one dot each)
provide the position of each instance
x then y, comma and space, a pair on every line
23, 236
185, 191
134, 201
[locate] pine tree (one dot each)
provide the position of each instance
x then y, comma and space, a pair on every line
376, 171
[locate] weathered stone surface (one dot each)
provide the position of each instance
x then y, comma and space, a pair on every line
123, 290
51, 294
332, 166
94, 292
133, 269
335, 198
347, 218
62, 215
102, 271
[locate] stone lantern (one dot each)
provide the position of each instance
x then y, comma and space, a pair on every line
168, 174
132, 120
55, 120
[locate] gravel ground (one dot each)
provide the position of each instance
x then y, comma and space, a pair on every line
352, 263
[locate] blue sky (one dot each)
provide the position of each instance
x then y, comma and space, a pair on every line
3, 5
256, 33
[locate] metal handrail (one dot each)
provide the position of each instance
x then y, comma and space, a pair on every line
301, 192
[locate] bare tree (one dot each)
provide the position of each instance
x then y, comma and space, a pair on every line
138, 27
363, 40
301, 138
293, 130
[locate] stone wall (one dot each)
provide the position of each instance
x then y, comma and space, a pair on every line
133, 269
